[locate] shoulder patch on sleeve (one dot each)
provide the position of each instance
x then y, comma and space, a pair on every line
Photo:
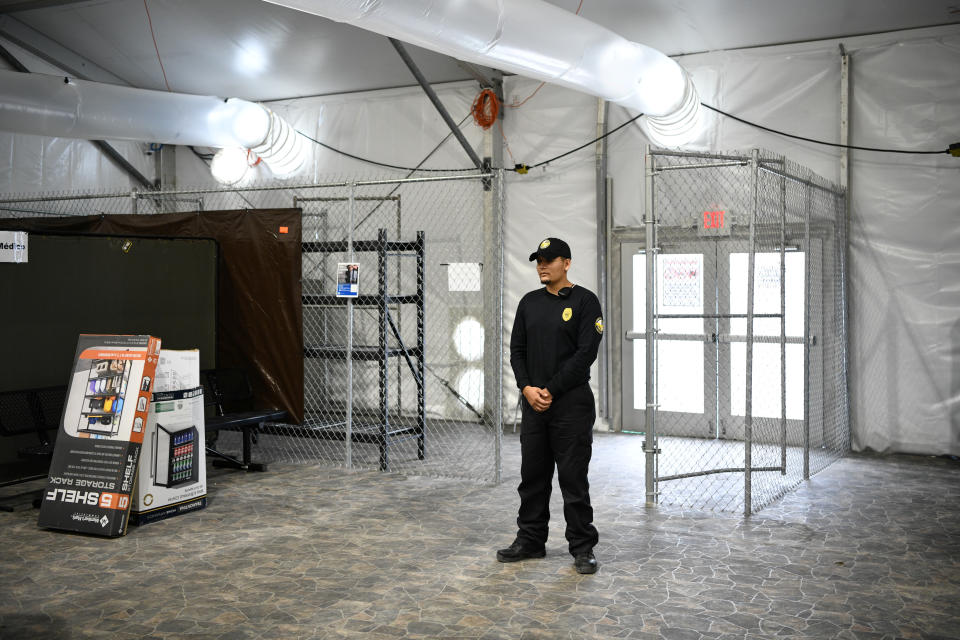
598, 325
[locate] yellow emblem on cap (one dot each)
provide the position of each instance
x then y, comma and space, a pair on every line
599, 325
545, 243
567, 314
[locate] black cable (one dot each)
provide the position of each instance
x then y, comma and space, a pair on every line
379, 164
823, 142
587, 144
202, 156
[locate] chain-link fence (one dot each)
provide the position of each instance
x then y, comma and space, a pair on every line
401, 299
747, 283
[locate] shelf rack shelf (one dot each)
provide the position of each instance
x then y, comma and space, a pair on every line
385, 431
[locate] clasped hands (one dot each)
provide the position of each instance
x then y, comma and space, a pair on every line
539, 399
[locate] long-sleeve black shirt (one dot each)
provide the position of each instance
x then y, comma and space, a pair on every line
555, 340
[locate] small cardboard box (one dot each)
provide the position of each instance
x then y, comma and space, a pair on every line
97, 452
173, 478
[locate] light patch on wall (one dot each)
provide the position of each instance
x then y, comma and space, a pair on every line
251, 59
470, 387
468, 339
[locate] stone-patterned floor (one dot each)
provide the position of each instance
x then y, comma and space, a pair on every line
869, 548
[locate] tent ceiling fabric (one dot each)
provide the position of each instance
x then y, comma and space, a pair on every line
258, 51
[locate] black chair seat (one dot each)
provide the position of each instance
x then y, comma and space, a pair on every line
243, 418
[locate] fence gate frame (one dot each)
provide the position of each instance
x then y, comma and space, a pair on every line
761, 166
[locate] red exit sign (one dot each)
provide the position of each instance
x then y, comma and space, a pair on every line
713, 223
713, 219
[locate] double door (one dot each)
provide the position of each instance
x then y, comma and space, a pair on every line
701, 289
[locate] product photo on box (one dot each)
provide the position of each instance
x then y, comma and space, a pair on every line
172, 477
97, 452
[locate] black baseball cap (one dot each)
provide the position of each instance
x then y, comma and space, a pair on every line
550, 249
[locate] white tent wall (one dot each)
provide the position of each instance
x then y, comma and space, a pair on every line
905, 240
558, 200
905, 243
31, 164
905, 248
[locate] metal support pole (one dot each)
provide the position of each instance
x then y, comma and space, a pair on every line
603, 109
650, 430
783, 327
348, 438
383, 345
492, 274
612, 310
498, 189
748, 414
844, 250
436, 101
806, 336
167, 167
844, 117
421, 349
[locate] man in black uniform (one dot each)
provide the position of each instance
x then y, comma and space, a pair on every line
555, 339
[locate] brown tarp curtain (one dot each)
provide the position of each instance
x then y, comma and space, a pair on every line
259, 319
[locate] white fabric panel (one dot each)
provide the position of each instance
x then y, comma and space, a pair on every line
905, 248
398, 126
32, 164
905, 240
558, 200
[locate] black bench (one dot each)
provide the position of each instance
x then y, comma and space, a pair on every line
228, 405
30, 411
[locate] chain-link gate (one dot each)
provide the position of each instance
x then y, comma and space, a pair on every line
403, 373
743, 393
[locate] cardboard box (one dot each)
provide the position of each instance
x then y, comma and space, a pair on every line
173, 476
97, 451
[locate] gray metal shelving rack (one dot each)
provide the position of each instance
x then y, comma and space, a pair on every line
382, 432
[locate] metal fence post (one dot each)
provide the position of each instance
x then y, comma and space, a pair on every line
748, 413
650, 435
783, 326
498, 443
348, 428
842, 205
806, 336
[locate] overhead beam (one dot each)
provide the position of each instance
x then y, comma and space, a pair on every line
12, 60
107, 149
30, 5
485, 81
402, 51
104, 146
54, 53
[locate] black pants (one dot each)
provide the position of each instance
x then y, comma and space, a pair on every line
561, 436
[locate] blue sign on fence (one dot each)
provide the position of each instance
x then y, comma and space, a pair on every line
348, 280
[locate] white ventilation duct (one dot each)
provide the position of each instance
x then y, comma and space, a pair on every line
55, 106
536, 39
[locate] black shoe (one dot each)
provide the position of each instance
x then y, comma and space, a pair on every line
517, 552
585, 562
